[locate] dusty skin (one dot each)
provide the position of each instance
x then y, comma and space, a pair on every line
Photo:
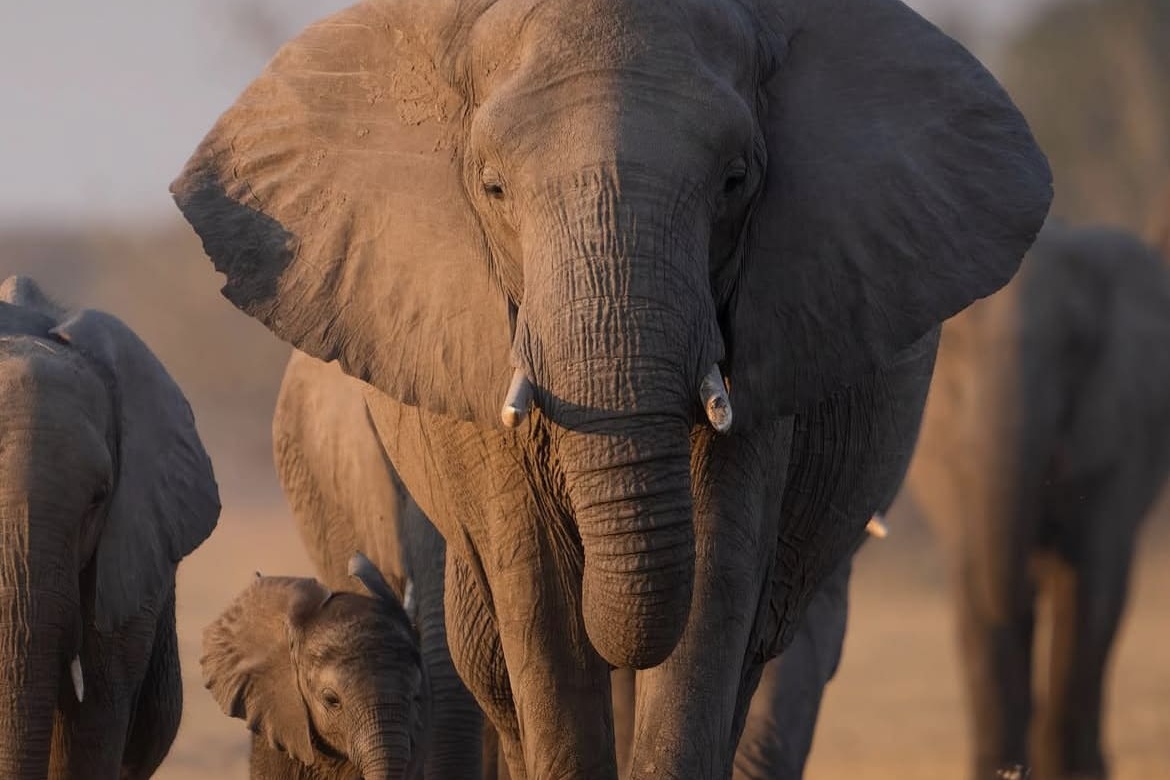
894, 710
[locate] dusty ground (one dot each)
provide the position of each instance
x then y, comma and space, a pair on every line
893, 712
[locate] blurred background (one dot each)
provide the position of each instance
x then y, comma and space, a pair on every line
100, 104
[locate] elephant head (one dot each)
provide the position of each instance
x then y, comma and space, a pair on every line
605, 206
323, 675
106, 487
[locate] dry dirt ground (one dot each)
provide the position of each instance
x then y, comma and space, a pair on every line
893, 712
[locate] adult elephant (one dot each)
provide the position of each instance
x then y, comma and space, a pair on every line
1045, 442
346, 496
609, 205
104, 488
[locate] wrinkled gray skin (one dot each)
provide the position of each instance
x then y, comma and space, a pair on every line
104, 488
1045, 441
345, 496
614, 197
778, 733
331, 683
781, 720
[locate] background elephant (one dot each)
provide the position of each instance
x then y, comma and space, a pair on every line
1045, 441
597, 216
345, 496
105, 487
331, 683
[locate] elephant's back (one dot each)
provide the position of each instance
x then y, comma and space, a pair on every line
1096, 348
334, 471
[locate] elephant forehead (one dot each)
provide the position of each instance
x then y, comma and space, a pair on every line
46, 377
564, 37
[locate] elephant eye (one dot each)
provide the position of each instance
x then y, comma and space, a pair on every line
493, 183
734, 178
330, 698
99, 496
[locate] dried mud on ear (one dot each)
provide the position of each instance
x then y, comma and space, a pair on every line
281, 192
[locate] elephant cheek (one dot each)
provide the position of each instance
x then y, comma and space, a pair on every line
631, 495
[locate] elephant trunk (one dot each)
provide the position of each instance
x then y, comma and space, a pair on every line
618, 331
381, 749
39, 637
31, 683
630, 490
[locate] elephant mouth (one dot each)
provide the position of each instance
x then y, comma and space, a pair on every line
712, 396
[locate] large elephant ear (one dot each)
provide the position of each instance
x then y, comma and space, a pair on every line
24, 291
901, 185
331, 197
248, 662
165, 500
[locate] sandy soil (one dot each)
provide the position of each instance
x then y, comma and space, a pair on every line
894, 710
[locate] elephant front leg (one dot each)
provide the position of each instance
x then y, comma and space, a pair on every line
560, 685
159, 705
996, 650
778, 733
521, 649
690, 709
1085, 622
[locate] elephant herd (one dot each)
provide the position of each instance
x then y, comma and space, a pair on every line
615, 322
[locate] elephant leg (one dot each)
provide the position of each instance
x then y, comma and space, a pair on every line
623, 685
1099, 597
159, 707
690, 709
996, 650
456, 719
479, 659
559, 683
92, 740
778, 733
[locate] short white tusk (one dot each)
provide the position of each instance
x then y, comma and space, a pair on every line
408, 604
517, 401
877, 527
78, 680
713, 394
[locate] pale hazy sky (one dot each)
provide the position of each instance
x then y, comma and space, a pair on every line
101, 102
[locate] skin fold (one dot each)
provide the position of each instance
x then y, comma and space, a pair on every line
1046, 440
331, 683
615, 199
105, 487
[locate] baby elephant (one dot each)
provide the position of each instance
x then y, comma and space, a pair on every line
331, 684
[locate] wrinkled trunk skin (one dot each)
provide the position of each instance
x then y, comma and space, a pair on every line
617, 328
39, 627
381, 751
631, 496
29, 685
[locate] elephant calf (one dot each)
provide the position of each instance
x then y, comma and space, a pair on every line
331, 684
104, 488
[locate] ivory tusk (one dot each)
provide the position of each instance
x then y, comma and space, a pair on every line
877, 527
78, 680
713, 394
408, 604
517, 401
